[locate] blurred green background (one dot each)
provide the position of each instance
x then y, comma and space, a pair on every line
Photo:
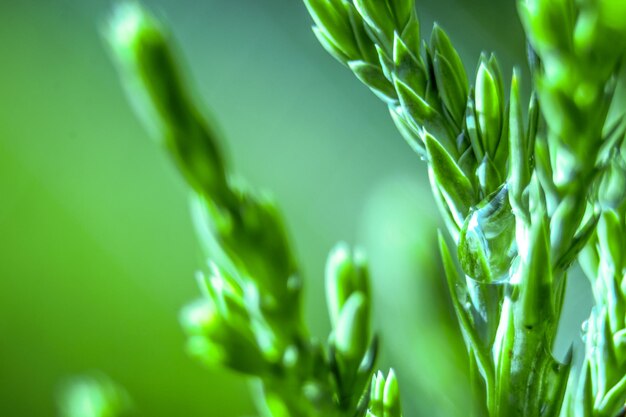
97, 248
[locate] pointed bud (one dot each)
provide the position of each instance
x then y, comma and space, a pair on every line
333, 19
352, 332
391, 399
402, 10
378, 387
452, 90
455, 187
378, 17
414, 105
377, 394
408, 67
450, 74
441, 44
488, 104
345, 275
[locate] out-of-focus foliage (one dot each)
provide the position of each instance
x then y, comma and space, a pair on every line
250, 318
93, 396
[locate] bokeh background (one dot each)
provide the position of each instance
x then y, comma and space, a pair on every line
97, 251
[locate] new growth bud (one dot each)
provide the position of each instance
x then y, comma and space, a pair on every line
352, 331
384, 396
346, 274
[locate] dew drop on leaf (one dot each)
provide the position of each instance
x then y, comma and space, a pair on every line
487, 243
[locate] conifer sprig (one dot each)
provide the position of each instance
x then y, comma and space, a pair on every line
249, 318
521, 197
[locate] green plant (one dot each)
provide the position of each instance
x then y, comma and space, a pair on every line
250, 318
523, 198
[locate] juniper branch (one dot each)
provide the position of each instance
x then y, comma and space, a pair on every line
513, 193
249, 319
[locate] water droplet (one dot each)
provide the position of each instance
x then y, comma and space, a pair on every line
487, 245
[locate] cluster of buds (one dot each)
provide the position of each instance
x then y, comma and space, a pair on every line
385, 396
